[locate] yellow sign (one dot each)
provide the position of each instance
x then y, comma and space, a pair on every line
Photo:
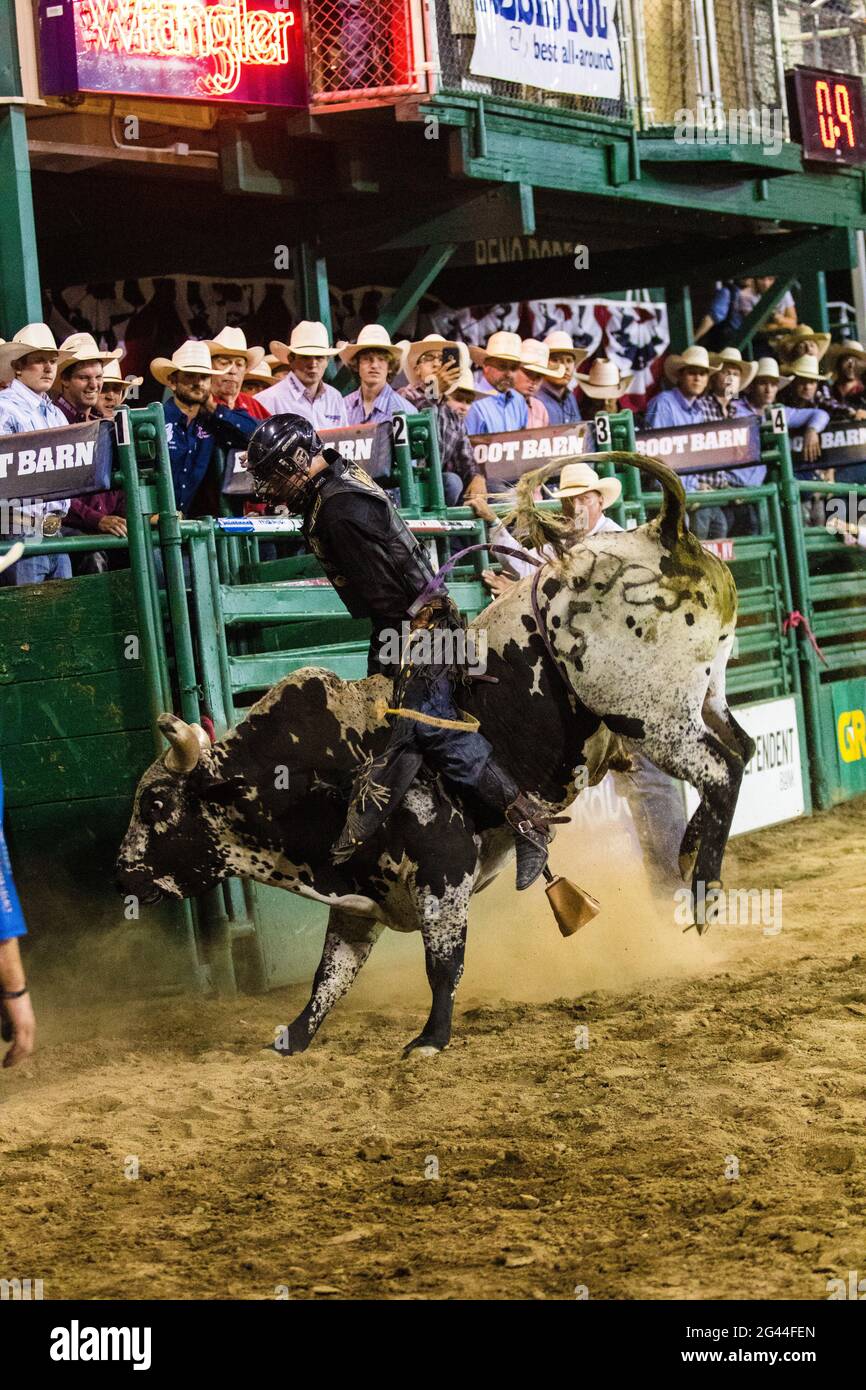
851, 735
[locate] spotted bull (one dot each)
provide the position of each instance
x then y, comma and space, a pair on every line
636, 630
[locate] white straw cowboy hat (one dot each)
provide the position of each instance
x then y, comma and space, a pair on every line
373, 336
732, 357
11, 557
434, 342
806, 369
506, 347
33, 337
111, 376
849, 348
232, 342
309, 338
83, 347
577, 478
768, 370
191, 356
262, 373
604, 381
790, 342
558, 341
535, 357
695, 357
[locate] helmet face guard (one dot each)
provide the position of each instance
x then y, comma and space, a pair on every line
279, 457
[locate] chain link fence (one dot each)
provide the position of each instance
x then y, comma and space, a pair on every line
360, 48
455, 29
830, 35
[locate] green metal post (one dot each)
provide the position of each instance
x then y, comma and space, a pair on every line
681, 328
812, 300
405, 470
139, 543
798, 564
20, 294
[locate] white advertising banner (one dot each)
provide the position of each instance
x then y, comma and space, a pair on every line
558, 45
772, 789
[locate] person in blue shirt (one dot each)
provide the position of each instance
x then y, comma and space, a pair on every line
194, 422
25, 405
558, 398
374, 361
17, 1022
505, 409
689, 373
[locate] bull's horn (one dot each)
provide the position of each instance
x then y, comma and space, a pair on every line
188, 742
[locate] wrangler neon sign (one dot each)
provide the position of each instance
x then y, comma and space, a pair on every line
237, 50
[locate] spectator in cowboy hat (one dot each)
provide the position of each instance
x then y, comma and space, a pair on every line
430, 380
802, 394
584, 496
765, 385
79, 377
604, 384
302, 389
31, 360
374, 361
194, 420
231, 359
846, 363
532, 372
505, 409
81, 372
688, 372
557, 397
258, 379
804, 341
115, 389
721, 401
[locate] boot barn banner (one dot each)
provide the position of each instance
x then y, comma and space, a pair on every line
558, 45
60, 462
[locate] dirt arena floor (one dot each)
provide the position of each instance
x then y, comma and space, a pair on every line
559, 1167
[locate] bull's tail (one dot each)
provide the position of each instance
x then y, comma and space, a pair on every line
671, 518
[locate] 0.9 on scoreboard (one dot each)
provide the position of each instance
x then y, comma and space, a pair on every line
826, 111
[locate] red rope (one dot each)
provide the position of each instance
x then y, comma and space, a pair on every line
797, 619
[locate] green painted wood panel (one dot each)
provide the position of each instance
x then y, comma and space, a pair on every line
59, 655
95, 603
74, 707
69, 769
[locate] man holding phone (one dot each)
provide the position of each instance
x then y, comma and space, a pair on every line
433, 366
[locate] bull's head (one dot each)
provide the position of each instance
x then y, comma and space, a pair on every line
174, 844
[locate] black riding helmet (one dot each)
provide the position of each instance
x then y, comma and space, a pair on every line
279, 455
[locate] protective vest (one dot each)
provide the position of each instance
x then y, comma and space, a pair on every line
402, 547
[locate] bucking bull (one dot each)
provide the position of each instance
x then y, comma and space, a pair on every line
637, 626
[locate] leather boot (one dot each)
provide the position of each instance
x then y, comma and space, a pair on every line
524, 815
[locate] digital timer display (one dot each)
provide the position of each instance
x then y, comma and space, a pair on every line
826, 111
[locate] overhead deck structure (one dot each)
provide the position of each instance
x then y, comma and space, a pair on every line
407, 170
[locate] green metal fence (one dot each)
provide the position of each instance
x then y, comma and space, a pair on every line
215, 624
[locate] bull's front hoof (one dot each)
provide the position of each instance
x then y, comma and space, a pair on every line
291, 1042
424, 1046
